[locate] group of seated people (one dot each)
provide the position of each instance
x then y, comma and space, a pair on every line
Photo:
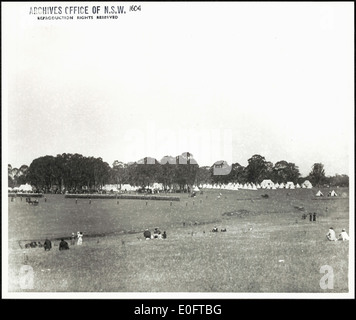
343, 236
156, 234
47, 245
215, 229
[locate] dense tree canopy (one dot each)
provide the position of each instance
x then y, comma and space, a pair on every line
256, 168
284, 171
317, 174
75, 172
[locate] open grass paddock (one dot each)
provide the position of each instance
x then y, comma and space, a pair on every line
268, 247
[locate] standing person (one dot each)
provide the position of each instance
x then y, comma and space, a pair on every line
63, 245
47, 245
331, 234
72, 239
164, 235
80, 238
310, 216
314, 216
343, 236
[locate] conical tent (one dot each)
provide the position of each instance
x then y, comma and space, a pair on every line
332, 194
290, 185
307, 184
319, 194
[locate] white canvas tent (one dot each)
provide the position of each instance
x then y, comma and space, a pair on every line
109, 187
128, 187
267, 184
319, 194
157, 186
307, 184
290, 185
332, 194
25, 187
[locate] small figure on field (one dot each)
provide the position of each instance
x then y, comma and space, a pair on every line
304, 216
156, 233
331, 234
32, 244
223, 230
343, 236
314, 216
215, 229
63, 245
310, 216
72, 239
164, 235
80, 238
147, 234
47, 245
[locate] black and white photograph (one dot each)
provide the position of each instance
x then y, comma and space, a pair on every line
163, 150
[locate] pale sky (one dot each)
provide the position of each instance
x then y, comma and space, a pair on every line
220, 80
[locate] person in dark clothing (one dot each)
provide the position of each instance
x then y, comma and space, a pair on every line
314, 216
47, 245
147, 234
310, 216
63, 245
164, 235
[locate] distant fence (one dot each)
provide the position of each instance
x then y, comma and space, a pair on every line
122, 196
22, 194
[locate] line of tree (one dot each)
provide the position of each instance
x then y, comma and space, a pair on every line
75, 172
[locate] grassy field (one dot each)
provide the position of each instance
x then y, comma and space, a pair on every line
268, 247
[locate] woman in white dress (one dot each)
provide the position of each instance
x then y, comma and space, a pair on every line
80, 238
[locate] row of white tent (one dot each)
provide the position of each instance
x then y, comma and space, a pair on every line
129, 187
22, 188
265, 184
330, 194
